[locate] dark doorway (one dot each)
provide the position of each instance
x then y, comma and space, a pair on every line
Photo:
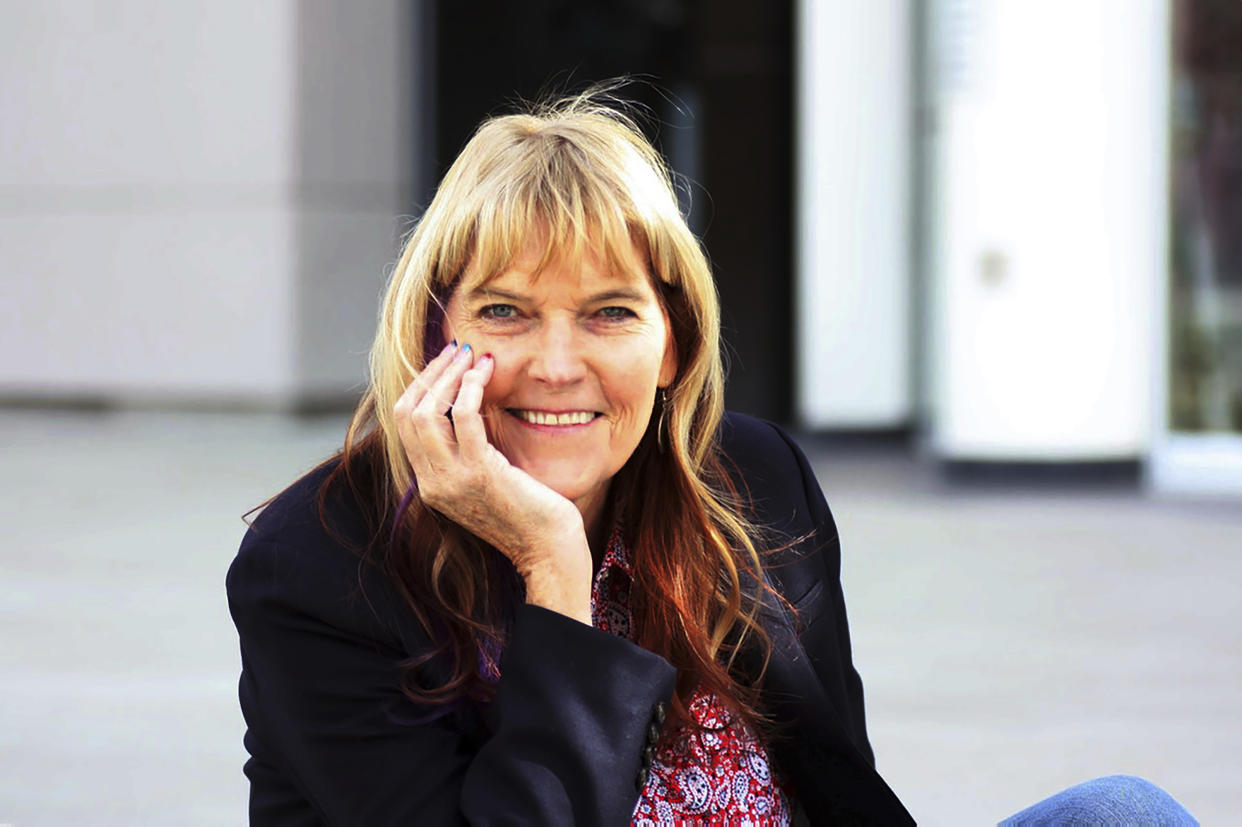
717, 79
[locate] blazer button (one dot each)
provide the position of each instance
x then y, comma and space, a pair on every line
659, 711
640, 780
653, 733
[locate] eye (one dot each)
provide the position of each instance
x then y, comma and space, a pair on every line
616, 313
498, 311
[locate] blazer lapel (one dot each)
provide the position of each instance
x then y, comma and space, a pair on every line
832, 780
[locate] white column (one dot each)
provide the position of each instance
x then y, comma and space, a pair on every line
1049, 216
852, 292
198, 200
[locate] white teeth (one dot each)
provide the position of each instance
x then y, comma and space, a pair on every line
541, 418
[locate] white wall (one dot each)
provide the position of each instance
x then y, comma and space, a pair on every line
1049, 224
853, 282
198, 200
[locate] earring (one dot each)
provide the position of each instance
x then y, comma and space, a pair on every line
660, 426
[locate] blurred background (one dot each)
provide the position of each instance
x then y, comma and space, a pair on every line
984, 255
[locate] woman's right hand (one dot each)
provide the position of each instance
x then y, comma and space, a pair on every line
463, 476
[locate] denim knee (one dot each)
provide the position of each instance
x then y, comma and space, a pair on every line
1113, 799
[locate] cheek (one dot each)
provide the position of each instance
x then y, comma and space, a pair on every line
634, 384
501, 385
497, 388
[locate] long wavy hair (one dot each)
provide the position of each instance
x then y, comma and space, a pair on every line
578, 176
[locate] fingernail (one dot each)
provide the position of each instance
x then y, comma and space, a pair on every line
453, 343
486, 356
465, 348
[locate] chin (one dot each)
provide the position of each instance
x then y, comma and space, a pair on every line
570, 489
568, 482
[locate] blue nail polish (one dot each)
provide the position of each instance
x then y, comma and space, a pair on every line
465, 348
453, 343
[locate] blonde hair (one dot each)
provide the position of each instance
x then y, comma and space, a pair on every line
578, 177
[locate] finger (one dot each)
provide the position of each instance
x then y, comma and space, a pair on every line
424, 379
419, 385
467, 416
406, 409
443, 391
433, 430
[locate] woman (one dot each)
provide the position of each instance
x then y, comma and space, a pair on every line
544, 430
548, 580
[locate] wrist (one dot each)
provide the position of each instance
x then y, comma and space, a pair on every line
561, 582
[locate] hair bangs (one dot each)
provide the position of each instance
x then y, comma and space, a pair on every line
560, 212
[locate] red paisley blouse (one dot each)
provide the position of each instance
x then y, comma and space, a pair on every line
718, 775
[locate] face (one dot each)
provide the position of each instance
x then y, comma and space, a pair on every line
580, 352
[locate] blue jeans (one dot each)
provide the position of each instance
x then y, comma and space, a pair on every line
1117, 799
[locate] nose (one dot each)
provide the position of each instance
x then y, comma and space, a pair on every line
558, 359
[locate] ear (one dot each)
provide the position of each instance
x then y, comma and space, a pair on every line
668, 367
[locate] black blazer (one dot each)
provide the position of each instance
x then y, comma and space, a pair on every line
333, 740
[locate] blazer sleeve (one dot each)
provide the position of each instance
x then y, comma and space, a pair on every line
329, 725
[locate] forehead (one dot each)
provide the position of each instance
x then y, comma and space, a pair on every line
545, 270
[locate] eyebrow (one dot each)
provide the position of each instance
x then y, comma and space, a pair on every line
484, 291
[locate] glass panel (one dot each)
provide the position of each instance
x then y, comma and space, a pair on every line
1205, 392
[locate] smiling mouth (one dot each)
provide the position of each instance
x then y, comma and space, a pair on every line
551, 418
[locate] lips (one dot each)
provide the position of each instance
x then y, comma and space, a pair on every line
556, 418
